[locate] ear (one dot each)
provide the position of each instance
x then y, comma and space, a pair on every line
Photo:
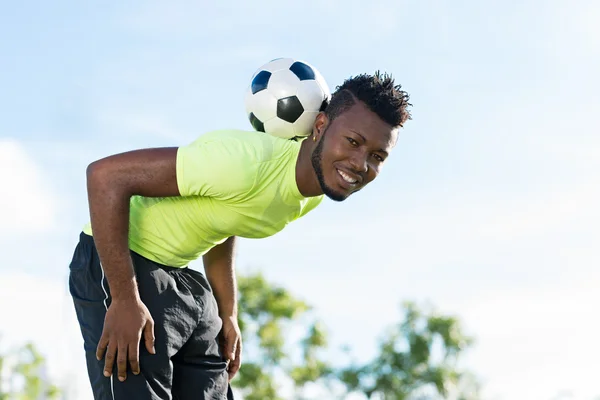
320, 125
395, 135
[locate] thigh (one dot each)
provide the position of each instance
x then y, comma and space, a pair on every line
91, 298
199, 368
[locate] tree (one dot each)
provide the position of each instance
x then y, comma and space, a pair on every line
22, 376
418, 357
266, 314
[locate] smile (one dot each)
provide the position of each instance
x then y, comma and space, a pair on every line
347, 178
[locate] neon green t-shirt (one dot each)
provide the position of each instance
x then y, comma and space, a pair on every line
232, 183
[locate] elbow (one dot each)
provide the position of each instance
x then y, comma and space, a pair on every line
94, 173
91, 169
105, 177
100, 177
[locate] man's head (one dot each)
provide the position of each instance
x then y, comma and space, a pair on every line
356, 133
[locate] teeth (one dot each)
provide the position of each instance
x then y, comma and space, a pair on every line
347, 177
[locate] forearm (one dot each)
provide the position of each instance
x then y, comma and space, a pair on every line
220, 272
109, 215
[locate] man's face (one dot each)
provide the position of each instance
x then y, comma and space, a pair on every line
351, 151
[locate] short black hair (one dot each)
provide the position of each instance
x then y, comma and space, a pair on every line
378, 92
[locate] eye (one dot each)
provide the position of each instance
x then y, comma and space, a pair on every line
353, 142
378, 157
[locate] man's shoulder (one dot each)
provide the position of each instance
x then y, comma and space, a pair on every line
249, 137
229, 134
253, 145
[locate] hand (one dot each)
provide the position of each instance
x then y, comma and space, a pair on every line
124, 324
232, 344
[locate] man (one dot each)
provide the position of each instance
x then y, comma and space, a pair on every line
152, 211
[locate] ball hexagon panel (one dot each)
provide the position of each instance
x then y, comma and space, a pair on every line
304, 125
283, 83
278, 127
262, 104
324, 86
310, 95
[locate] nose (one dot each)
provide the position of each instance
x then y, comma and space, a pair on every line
359, 163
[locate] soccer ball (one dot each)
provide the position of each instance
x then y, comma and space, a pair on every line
284, 97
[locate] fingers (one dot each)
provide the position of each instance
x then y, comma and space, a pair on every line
134, 357
125, 354
109, 358
102, 344
235, 361
120, 343
230, 343
234, 366
231, 346
238, 351
149, 336
122, 361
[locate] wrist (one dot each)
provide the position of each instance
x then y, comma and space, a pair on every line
125, 292
228, 314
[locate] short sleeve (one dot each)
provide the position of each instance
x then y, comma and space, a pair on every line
223, 169
311, 204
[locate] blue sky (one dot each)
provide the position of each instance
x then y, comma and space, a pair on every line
487, 208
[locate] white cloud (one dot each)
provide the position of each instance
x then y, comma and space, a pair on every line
27, 203
578, 33
40, 310
531, 344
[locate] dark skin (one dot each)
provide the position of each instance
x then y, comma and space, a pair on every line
353, 147
340, 158
111, 183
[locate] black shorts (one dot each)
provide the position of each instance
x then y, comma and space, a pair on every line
188, 363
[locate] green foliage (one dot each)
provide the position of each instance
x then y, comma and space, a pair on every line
313, 368
409, 362
261, 384
22, 376
266, 312
417, 358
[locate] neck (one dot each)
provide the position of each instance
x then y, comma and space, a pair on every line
306, 178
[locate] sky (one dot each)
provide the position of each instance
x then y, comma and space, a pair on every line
487, 208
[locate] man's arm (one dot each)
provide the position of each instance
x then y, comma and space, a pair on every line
111, 182
220, 272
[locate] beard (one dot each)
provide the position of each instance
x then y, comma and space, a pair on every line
317, 164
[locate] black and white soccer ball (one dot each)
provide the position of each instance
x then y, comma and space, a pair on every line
284, 97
